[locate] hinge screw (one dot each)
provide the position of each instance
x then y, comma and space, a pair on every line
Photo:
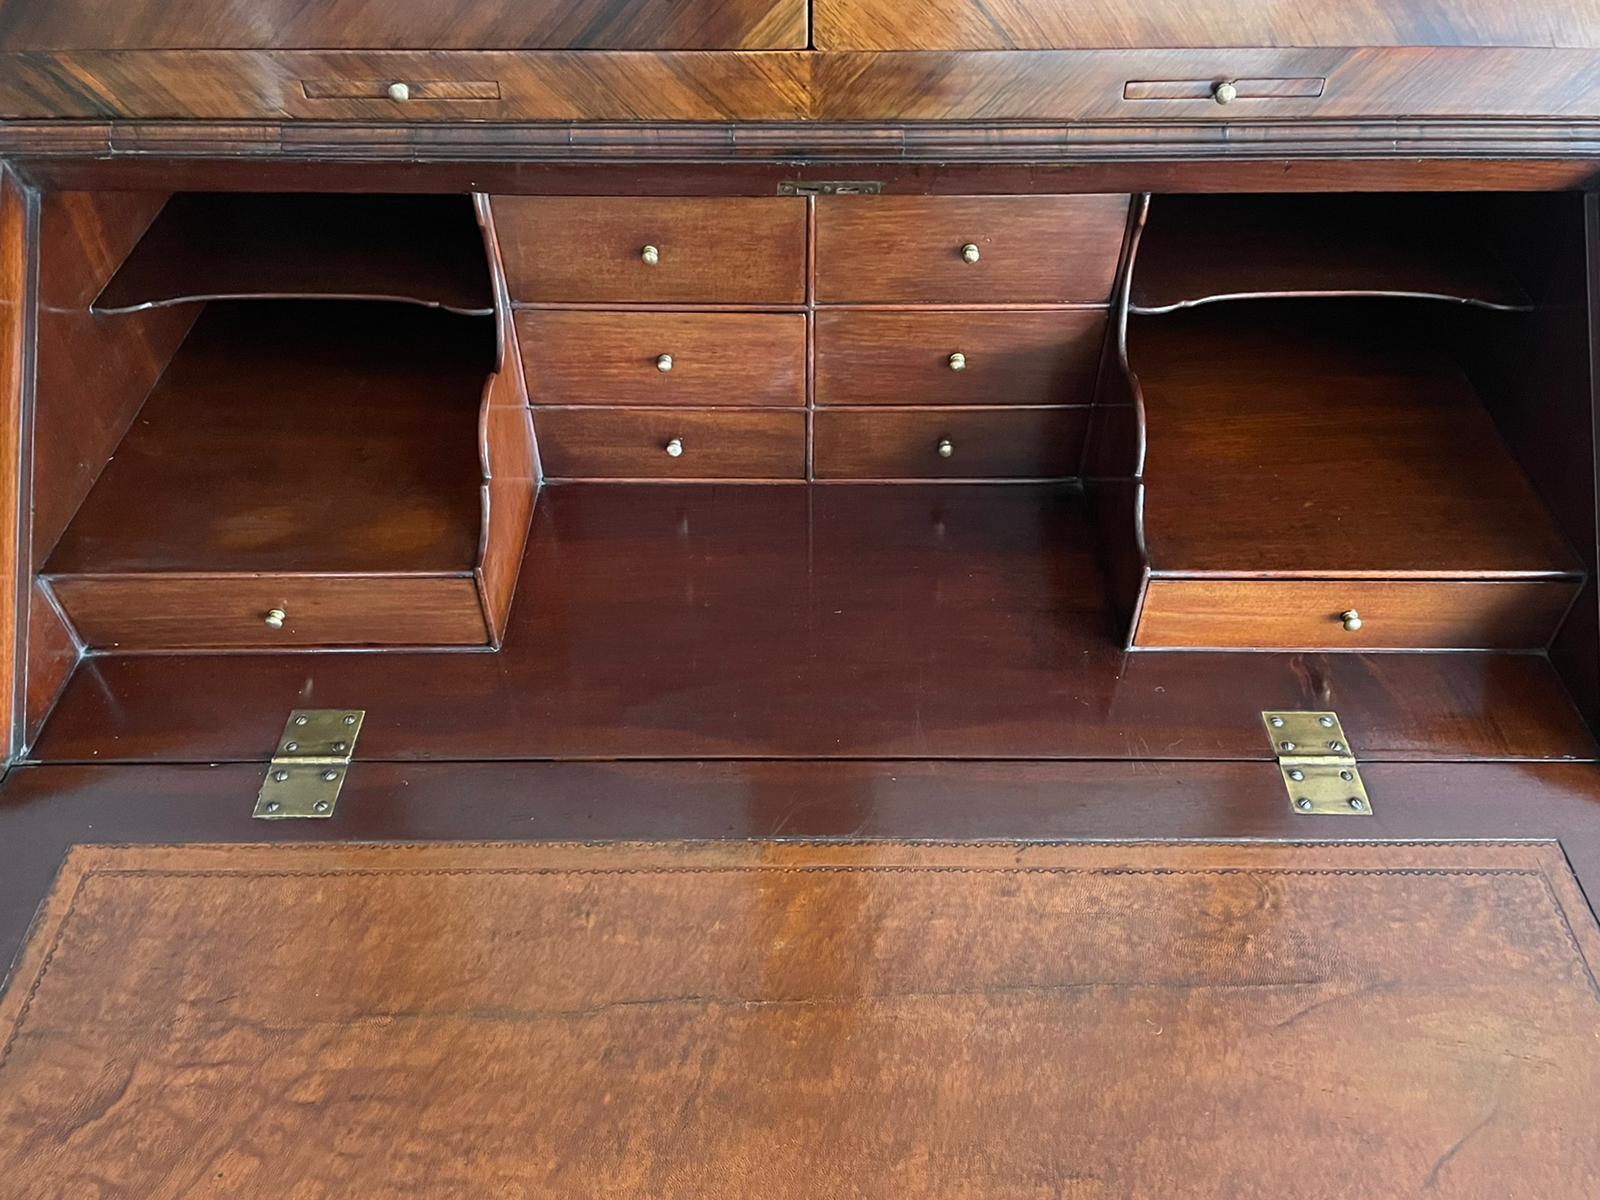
302, 719
291, 746
1277, 722
329, 776
1355, 803
1346, 776
350, 719
1297, 775
1303, 804
1325, 722
1336, 747
321, 806
340, 747
281, 776
273, 806
1286, 745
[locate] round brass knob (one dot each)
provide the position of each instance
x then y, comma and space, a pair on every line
958, 361
970, 253
399, 91
946, 448
1225, 93
674, 448
1351, 620
664, 363
275, 618
650, 256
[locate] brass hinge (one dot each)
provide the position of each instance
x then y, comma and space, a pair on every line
830, 187
311, 761
1318, 766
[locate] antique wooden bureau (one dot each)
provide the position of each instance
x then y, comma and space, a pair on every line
1158, 433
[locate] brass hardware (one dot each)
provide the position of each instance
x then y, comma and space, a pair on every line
970, 253
830, 187
650, 256
1318, 767
399, 91
958, 361
664, 363
275, 618
674, 448
1351, 620
309, 767
1225, 92
946, 448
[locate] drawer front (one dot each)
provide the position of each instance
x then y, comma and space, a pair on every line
635, 443
1278, 614
754, 360
966, 358
969, 250
626, 250
142, 612
1039, 443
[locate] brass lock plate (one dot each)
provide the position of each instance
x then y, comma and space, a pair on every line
309, 765
830, 187
1317, 764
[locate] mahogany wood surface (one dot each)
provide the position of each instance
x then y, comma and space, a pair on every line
1281, 614
1326, 441
834, 621
631, 443
908, 249
52, 651
711, 251
1011, 358
986, 443
785, 1020
32, 25
422, 249
1070, 24
17, 324
751, 360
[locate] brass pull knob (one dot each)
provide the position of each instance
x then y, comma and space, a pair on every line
674, 448
275, 618
664, 363
650, 256
970, 253
1351, 620
399, 91
1225, 93
946, 447
958, 361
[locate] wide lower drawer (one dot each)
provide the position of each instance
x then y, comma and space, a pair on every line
1004, 358
1040, 443
181, 612
665, 443
969, 249
1275, 614
650, 250
653, 358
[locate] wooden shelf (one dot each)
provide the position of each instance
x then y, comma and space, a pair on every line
1202, 249
425, 250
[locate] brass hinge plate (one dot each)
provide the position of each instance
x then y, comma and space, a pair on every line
310, 763
1318, 766
830, 187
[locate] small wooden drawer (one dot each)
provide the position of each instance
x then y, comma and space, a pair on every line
907, 443
186, 612
632, 250
967, 358
753, 360
638, 443
1284, 614
969, 250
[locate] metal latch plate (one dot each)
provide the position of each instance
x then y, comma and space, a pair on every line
309, 766
1317, 764
830, 187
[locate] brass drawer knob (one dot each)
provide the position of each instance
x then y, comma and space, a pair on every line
958, 361
1225, 93
275, 618
664, 363
399, 91
650, 256
970, 253
946, 447
1351, 620
674, 448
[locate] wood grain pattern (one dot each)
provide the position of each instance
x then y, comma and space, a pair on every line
540, 988
1010, 358
33, 25
712, 251
1304, 614
907, 249
608, 358
53, 652
17, 316
630, 443
986, 443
